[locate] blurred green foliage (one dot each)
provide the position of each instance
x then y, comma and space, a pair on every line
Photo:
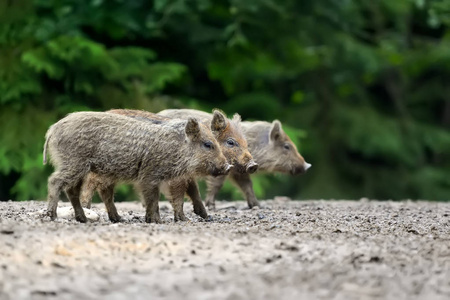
362, 86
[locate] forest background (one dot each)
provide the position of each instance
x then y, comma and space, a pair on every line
362, 87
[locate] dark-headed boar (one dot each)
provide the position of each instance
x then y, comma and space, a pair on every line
119, 148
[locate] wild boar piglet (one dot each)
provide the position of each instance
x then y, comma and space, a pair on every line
274, 152
119, 148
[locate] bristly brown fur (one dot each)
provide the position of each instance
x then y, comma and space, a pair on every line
238, 156
120, 148
223, 130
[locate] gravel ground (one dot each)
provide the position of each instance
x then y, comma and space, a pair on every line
287, 250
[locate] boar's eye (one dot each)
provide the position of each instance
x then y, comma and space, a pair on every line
287, 146
231, 143
208, 145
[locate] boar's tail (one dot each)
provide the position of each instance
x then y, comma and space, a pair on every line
47, 138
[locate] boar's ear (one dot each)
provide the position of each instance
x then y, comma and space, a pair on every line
275, 131
219, 122
192, 129
237, 118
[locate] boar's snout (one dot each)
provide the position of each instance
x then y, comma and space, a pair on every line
307, 166
222, 171
228, 168
252, 167
300, 169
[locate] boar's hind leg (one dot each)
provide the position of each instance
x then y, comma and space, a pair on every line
214, 184
107, 196
193, 193
73, 193
151, 198
245, 184
55, 185
62, 180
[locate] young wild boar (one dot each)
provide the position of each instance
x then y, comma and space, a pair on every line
119, 148
231, 140
269, 145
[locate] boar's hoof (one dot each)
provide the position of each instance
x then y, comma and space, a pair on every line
155, 218
81, 218
253, 203
115, 218
180, 217
200, 211
86, 205
210, 205
51, 214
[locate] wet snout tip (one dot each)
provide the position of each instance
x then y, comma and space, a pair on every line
252, 167
307, 166
228, 168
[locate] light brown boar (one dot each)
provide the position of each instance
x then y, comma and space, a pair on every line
119, 148
230, 137
270, 146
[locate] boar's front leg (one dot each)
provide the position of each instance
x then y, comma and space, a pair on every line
151, 197
177, 189
245, 184
73, 193
214, 184
193, 193
107, 196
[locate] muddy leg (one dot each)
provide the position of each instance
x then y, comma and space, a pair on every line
193, 193
214, 184
107, 196
245, 184
73, 193
150, 195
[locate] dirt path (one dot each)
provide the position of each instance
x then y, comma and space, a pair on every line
287, 250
